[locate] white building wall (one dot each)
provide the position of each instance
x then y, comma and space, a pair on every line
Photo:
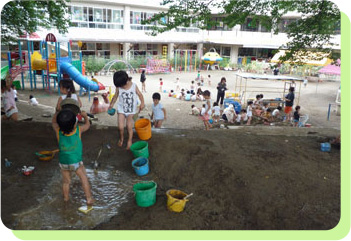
235, 38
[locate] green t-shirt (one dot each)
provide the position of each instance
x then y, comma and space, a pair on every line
71, 147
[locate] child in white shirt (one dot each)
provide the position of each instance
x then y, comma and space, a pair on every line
249, 112
216, 112
33, 101
195, 110
158, 112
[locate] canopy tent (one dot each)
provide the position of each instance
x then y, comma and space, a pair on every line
331, 69
267, 77
308, 58
289, 81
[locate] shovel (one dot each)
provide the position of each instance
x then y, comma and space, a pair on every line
96, 164
186, 197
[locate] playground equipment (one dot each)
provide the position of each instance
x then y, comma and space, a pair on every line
242, 87
81, 80
155, 66
212, 58
108, 66
186, 59
53, 65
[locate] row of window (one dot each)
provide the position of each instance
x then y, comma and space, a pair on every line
90, 17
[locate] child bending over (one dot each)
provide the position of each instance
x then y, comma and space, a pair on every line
127, 93
216, 112
68, 135
297, 115
195, 110
68, 91
158, 112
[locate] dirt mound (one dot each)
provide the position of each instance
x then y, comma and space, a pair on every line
242, 179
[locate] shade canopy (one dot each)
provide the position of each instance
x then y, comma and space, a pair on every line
308, 58
330, 69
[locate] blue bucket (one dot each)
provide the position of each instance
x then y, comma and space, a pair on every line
141, 166
325, 146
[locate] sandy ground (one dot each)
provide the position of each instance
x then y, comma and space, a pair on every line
247, 178
314, 98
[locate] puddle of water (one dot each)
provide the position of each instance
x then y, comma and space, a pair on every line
110, 189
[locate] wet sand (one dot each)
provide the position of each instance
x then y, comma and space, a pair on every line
247, 178
242, 179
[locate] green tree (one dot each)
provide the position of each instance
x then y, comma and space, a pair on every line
313, 31
20, 17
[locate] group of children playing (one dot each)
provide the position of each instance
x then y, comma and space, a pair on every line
65, 125
193, 93
257, 109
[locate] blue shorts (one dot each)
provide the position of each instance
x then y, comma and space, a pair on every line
70, 167
296, 120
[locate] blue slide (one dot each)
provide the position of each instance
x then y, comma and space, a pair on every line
76, 76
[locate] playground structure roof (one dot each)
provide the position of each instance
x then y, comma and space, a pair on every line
267, 77
309, 58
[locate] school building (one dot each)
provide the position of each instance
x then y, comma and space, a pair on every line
109, 28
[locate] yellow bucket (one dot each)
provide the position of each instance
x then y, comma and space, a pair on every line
175, 201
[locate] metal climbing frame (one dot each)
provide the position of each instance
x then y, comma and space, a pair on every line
242, 87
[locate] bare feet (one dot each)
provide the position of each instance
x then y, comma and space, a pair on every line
120, 142
90, 201
129, 144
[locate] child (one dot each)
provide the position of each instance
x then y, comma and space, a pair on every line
216, 112
261, 100
209, 80
305, 81
256, 103
198, 76
208, 112
192, 87
161, 83
267, 117
297, 115
177, 84
229, 113
202, 81
182, 94
142, 80
8, 98
195, 110
171, 93
127, 91
187, 96
193, 98
33, 101
203, 109
68, 135
241, 116
14, 91
265, 107
158, 112
67, 89
249, 112
276, 113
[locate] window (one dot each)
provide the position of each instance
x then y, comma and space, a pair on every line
77, 14
284, 23
137, 17
246, 52
225, 51
98, 15
250, 25
84, 17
